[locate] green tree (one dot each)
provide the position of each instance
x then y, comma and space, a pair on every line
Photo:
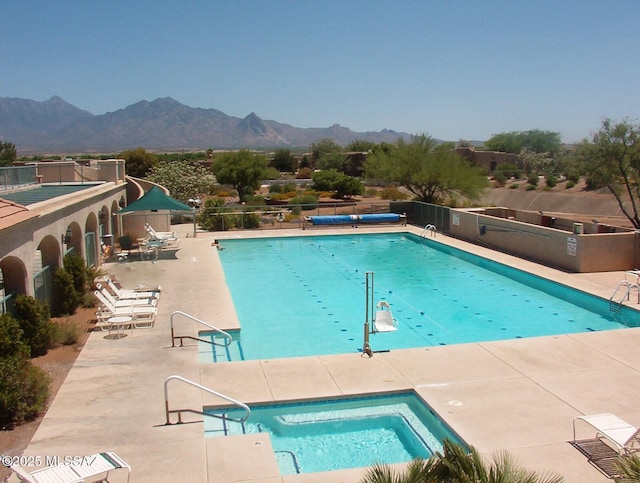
534, 140
8, 153
183, 179
138, 162
332, 161
612, 159
456, 465
325, 146
342, 185
430, 171
243, 170
284, 161
535, 163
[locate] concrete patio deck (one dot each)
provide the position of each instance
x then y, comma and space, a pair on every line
517, 395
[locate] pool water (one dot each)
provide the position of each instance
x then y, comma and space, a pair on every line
301, 296
338, 434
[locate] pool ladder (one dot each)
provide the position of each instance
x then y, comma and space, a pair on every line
615, 305
227, 337
428, 230
168, 412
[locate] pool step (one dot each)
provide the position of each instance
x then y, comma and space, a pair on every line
230, 353
219, 425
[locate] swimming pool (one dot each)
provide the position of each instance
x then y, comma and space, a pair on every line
301, 296
341, 433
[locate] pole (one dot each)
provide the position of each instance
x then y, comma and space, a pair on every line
366, 348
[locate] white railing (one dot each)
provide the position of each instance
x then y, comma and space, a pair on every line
228, 338
168, 411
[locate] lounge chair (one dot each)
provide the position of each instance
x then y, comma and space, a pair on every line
143, 316
383, 321
159, 235
617, 433
76, 471
123, 293
150, 302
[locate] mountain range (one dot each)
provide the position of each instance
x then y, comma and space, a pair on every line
162, 125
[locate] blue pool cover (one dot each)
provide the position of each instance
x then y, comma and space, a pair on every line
348, 219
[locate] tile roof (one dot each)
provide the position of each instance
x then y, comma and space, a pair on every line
12, 213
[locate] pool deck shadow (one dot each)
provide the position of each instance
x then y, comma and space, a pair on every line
517, 395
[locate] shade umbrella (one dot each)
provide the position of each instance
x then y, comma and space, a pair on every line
153, 200
157, 200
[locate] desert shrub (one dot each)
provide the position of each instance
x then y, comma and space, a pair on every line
531, 187
533, 180
12, 338
35, 322
23, 388
308, 202
67, 332
275, 188
66, 299
500, 178
551, 181
304, 173
371, 192
393, 193
514, 186
570, 184
76, 266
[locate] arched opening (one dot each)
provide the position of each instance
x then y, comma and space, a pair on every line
13, 281
45, 262
72, 239
91, 241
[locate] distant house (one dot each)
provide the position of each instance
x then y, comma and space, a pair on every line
487, 160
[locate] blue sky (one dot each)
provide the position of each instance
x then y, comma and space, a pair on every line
452, 69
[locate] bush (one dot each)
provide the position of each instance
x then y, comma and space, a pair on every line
23, 388
531, 187
533, 179
500, 178
514, 186
67, 332
308, 202
76, 266
66, 299
551, 181
35, 322
392, 193
570, 184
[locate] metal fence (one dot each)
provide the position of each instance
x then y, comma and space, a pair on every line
288, 215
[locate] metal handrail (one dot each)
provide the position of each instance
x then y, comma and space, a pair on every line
226, 335
626, 296
241, 405
429, 229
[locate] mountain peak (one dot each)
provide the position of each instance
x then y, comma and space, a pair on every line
163, 124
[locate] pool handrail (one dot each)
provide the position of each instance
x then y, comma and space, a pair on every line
168, 411
227, 337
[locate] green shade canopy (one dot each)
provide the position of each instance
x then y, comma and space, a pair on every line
154, 200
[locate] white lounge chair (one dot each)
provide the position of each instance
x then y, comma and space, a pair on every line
143, 316
76, 471
148, 302
123, 293
383, 321
159, 235
617, 433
